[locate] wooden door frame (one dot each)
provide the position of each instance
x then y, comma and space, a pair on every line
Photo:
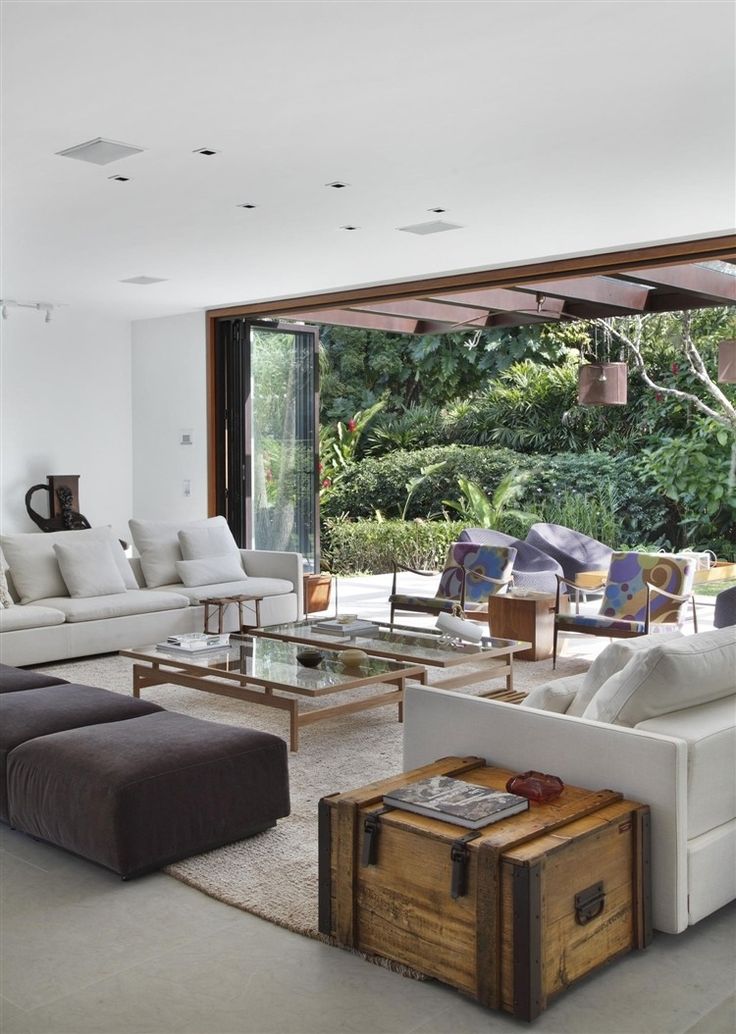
595, 264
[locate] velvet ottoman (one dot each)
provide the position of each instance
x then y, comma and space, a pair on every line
14, 679
136, 795
56, 708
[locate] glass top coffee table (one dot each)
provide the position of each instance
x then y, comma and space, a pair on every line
493, 659
266, 671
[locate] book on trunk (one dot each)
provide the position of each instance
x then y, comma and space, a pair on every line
452, 800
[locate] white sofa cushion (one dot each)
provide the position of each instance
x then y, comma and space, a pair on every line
208, 541
158, 545
610, 661
6, 600
676, 674
35, 569
88, 567
211, 570
14, 619
710, 734
249, 587
134, 601
553, 696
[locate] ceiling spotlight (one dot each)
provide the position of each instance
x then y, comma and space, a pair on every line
120, 179
337, 184
247, 205
437, 210
349, 227
207, 151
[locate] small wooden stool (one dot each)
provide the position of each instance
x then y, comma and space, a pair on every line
222, 603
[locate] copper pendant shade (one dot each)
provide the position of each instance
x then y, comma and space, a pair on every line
603, 384
727, 361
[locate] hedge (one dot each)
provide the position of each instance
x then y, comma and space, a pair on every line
370, 547
380, 485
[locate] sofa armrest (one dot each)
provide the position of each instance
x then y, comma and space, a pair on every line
645, 767
266, 563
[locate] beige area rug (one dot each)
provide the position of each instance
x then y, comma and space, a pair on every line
274, 874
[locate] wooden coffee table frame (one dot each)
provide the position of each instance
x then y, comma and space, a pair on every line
162, 670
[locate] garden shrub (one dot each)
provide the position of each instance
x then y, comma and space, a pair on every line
380, 484
371, 546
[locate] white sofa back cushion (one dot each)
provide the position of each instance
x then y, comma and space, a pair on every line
613, 659
210, 541
210, 570
676, 674
158, 545
88, 568
554, 696
35, 569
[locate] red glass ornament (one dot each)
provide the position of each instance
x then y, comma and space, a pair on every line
536, 786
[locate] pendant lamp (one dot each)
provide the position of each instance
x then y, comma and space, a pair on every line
727, 361
603, 384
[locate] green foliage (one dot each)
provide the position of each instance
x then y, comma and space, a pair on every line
694, 471
596, 514
415, 428
415, 483
478, 510
370, 546
339, 444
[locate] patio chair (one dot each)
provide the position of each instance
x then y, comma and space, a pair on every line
725, 609
533, 569
572, 550
641, 590
472, 573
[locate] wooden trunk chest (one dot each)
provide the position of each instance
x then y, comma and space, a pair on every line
511, 914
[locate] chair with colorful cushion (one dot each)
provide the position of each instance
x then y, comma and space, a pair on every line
642, 590
472, 573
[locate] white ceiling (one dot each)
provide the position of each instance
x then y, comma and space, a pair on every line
543, 128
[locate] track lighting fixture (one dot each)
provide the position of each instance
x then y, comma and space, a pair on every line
45, 307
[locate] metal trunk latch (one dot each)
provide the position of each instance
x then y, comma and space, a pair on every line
459, 855
371, 829
589, 904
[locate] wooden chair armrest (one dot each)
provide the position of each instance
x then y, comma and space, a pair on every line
670, 596
402, 567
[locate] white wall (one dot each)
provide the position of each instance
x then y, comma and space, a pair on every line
66, 409
169, 396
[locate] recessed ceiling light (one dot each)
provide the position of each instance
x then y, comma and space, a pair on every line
206, 151
144, 281
337, 184
437, 210
100, 151
349, 227
435, 226
247, 205
120, 179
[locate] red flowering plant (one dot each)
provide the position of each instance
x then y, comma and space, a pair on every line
339, 444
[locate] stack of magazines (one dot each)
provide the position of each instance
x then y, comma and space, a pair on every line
338, 626
194, 643
453, 800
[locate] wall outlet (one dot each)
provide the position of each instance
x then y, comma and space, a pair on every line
187, 487
186, 437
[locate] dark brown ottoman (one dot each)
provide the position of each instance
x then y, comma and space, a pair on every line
137, 795
52, 709
14, 679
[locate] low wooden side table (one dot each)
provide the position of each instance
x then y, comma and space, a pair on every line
220, 605
317, 593
531, 618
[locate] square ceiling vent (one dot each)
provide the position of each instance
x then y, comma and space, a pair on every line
433, 226
100, 151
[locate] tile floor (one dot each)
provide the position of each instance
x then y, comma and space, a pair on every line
83, 953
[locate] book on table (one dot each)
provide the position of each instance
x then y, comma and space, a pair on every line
453, 800
194, 643
337, 627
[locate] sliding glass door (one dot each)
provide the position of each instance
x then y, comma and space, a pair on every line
266, 398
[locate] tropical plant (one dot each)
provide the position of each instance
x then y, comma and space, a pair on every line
414, 428
372, 546
339, 444
416, 482
479, 510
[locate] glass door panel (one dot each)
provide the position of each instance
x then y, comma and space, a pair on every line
284, 453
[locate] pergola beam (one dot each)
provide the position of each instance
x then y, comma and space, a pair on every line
419, 309
713, 286
616, 296
365, 320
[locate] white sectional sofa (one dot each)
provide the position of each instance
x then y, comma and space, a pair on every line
654, 718
48, 621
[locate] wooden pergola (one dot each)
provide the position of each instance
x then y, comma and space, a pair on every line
652, 289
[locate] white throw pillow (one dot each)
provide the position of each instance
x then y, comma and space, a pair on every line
157, 543
677, 674
34, 566
210, 570
6, 600
88, 568
209, 541
553, 696
610, 661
